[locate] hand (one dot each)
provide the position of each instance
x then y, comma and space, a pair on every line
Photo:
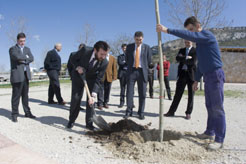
188, 57
161, 28
79, 70
195, 86
91, 101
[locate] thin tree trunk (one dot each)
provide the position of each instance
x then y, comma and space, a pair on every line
161, 112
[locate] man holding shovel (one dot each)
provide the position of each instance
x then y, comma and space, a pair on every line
91, 66
210, 67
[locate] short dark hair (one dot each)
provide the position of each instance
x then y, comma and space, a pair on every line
81, 45
21, 35
138, 34
191, 20
101, 44
123, 45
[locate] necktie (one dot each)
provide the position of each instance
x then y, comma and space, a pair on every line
91, 63
187, 51
137, 58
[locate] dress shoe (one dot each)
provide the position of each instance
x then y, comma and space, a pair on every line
106, 106
62, 103
169, 98
151, 97
169, 115
70, 125
100, 107
188, 117
80, 108
121, 106
14, 118
133, 106
141, 117
30, 115
90, 127
127, 115
52, 102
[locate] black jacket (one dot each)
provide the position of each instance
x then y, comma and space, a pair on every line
191, 63
52, 61
122, 64
95, 75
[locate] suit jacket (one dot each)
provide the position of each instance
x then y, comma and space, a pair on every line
145, 58
52, 61
191, 63
122, 65
69, 63
111, 71
94, 75
19, 63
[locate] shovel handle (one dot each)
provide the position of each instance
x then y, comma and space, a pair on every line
87, 90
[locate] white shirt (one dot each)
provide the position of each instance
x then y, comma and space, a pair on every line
140, 46
185, 66
92, 57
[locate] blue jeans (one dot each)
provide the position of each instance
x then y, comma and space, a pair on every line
214, 97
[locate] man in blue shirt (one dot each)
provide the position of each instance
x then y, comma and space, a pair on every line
210, 67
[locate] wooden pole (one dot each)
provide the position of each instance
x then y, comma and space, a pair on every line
161, 74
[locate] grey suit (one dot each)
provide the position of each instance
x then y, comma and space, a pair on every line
19, 77
139, 75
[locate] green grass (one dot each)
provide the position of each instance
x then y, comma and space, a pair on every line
36, 83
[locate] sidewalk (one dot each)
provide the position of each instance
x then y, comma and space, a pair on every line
12, 153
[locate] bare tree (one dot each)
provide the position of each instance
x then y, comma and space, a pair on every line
87, 35
115, 45
17, 25
208, 12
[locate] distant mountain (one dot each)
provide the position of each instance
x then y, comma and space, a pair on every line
228, 36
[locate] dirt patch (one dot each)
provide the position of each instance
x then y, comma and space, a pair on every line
130, 140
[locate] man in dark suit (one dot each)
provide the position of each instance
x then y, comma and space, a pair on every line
20, 58
70, 66
69, 63
138, 58
91, 66
186, 70
122, 76
109, 76
151, 80
52, 64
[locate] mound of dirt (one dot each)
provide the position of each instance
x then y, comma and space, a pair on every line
133, 141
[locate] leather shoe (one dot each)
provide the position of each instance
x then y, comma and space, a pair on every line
100, 107
121, 106
30, 115
141, 117
106, 106
62, 103
169, 115
127, 115
14, 118
52, 102
90, 127
151, 97
80, 108
133, 106
70, 125
188, 117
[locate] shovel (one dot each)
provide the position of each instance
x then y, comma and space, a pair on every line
98, 120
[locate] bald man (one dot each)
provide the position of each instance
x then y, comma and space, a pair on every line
52, 65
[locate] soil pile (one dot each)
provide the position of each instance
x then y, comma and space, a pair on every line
133, 141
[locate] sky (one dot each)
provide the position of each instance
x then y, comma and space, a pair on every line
52, 21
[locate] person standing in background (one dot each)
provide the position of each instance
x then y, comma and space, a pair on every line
151, 80
52, 64
166, 66
20, 58
186, 70
109, 76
